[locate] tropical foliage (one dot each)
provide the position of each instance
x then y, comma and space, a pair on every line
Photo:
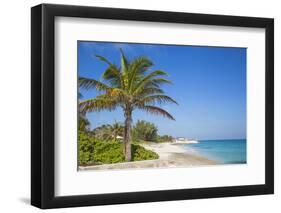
109, 132
145, 131
93, 151
132, 85
83, 123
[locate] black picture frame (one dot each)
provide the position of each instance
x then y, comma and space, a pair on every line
43, 101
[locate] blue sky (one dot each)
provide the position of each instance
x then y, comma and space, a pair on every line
209, 83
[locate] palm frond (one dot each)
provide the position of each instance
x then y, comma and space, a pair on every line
150, 79
156, 111
117, 94
124, 70
155, 83
97, 104
150, 91
124, 62
137, 68
158, 81
113, 75
111, 72
103, 59
157, 99
88, 83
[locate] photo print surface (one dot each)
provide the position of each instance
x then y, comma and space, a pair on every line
160, 106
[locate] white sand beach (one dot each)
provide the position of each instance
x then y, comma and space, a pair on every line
170, 155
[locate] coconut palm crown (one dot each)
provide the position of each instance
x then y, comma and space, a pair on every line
132, 85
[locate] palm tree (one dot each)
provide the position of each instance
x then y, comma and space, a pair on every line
117, 129
103, 132
131, 86
109, 132
83, 123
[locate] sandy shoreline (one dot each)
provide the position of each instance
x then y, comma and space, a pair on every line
170, 155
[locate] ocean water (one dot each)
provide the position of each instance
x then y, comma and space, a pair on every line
224, 151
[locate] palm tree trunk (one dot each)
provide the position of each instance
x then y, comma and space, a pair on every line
128, 135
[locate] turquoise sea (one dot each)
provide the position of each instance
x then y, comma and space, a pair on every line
224, 151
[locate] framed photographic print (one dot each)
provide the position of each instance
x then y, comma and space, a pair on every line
139, 106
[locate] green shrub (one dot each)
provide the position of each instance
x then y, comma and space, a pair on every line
140, 153
85, 149
108, 152
84, 157
95, 151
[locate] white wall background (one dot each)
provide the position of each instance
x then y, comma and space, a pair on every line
15, 105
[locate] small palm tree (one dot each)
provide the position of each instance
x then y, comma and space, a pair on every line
117, 129
109, 132
83, 123
130, 86
103, 132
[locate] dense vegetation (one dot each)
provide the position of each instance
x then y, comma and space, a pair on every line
104, 144
108, 132
145, 131
93, 151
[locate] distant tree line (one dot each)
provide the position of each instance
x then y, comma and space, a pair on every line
142, 131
